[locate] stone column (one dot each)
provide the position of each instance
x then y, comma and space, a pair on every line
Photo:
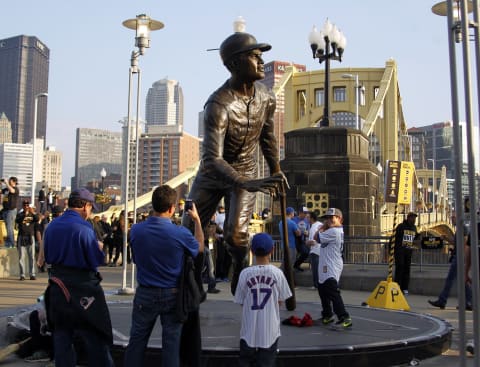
334, 161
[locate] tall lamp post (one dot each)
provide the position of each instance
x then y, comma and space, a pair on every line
326, 45
142, 25
420, 195
34, 140
103, 174
357, 97
433, 183
457, 27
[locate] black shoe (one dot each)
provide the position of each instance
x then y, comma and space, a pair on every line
437, 303
467, 307
213, 291
22, 278
33, 277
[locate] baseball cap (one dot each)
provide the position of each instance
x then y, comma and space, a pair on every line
84, 194
240, 42
181, 201
331, 212
290, 210
412, 214
262, 244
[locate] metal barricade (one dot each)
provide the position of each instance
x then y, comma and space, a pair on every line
374, 250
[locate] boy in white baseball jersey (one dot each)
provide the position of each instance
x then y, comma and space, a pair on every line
330, 266
260, 290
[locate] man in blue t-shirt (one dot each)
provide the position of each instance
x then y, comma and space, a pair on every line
303, 251
293, 233
158, 247
74, 299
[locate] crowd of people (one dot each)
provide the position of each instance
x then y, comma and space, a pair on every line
239, 122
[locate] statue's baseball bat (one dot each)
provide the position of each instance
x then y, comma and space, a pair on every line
291, 302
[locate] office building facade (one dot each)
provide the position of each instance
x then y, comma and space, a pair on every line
52, 169
165, 156
274, 71
16, 160
5, 129
164, 104
24, 68
96, 149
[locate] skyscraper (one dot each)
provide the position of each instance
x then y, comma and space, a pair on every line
5, 129
52, 168
24, 65
16, 160
96, 149
164, 104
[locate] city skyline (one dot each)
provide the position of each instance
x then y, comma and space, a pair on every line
88, 71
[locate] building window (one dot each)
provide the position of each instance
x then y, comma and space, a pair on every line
339, 94
301, 104
319, 97
362, 95
375, 92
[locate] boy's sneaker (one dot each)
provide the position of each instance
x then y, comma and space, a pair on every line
38, 356
345, 322
327, 320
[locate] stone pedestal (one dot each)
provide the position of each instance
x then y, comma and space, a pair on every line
334, 161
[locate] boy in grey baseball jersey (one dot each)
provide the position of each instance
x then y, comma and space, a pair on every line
260, 290
330, 266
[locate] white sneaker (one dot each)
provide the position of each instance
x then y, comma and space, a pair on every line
405, 292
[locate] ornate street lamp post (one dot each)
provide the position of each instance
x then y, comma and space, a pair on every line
327, 45
458, 24
34, 140
103, 174
142, 25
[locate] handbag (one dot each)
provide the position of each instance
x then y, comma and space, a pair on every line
189, 295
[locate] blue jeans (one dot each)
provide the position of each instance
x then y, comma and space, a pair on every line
449, 281
10, 216
97, 349
257, 357
148, 304
26, 254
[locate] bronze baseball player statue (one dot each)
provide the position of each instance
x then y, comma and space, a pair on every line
238, 119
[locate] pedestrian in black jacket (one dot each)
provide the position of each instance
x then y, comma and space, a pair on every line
405, 235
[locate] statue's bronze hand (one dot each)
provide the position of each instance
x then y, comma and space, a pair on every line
282, 177
267, 185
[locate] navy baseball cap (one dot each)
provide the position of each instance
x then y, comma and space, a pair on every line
84, 194
262, 244
290, 210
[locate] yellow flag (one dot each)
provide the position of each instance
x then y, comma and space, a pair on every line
407, 171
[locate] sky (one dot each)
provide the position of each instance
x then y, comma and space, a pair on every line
90, 52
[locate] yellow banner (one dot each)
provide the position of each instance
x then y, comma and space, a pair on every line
405, 184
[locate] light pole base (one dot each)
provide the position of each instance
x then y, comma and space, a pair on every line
125, 291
